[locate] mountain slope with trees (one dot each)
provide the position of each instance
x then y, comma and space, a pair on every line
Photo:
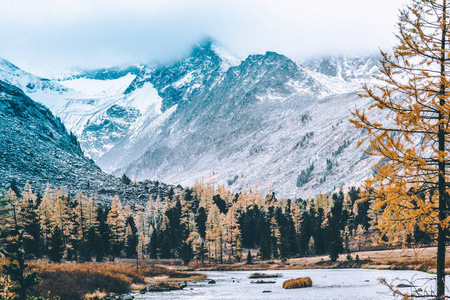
36, 148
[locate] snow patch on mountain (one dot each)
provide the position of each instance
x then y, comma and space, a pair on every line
96, 87
228, 59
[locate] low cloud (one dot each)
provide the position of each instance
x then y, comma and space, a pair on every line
55, 35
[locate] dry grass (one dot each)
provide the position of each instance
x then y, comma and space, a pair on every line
263, 275
297, 283
166, 285
73, 281
260, 281
97, 295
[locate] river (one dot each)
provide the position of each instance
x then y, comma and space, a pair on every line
328, 284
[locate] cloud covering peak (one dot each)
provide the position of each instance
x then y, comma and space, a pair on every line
48, 35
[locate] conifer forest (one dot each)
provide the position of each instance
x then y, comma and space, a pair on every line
202, 224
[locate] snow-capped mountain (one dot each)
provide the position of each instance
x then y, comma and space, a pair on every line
262, 122
258, 125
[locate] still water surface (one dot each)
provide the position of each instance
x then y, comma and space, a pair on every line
332, 284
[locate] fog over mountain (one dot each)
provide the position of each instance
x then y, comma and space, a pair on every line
47, 37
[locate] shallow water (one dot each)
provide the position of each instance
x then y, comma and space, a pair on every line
332, 284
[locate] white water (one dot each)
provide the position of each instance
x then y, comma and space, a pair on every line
335, 284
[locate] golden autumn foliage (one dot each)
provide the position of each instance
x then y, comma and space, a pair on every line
297, 283
408, 126
5, 283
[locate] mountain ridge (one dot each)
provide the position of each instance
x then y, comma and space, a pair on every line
208, 115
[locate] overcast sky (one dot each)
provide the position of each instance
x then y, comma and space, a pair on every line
51, 36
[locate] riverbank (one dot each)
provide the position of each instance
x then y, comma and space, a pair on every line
69, 280
423, 259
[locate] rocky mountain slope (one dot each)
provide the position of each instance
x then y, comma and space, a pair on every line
258, 124
35, 147
264, 122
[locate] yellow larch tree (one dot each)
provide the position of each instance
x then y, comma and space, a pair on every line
9, 210
46, 209
410, 184
233, 235
116, 222
62, 216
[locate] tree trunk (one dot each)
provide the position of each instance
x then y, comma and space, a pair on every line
440, 261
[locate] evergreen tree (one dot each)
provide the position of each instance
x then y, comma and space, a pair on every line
131, 238
14, 187
249, 258
94, 245
57, 248
103, 245
154, 245
319, 232
16, 268
125, 179
306, 233
201, 221
201, 252
30, 222
334, 228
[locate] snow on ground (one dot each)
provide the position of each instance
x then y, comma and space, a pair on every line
99, 87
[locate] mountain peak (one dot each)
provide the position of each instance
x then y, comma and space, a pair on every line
212, 48
204, 45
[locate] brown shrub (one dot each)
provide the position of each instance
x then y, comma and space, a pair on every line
297, 283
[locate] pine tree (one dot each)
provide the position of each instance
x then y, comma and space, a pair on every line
153, 246
16, 268
414, 93
56, 251
249, 258
30, 222
335, 243
125, 179
131, 236
102, 247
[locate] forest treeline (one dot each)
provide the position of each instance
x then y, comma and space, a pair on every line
201, 223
